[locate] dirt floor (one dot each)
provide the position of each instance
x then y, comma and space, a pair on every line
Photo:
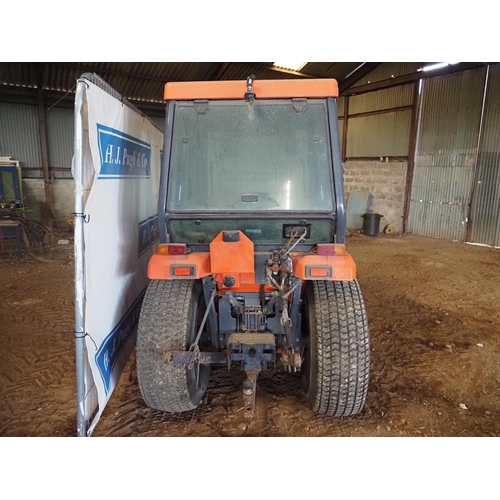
434, 323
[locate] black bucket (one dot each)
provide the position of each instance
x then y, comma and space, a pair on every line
371, 224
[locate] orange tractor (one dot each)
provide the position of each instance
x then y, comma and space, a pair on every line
252, 266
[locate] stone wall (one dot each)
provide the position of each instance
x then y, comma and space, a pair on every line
63, 196
385, 181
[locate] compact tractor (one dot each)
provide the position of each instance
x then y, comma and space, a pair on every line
252, 266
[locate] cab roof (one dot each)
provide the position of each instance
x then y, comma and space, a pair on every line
263, 89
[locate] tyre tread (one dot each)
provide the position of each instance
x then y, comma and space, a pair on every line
343, 348
164, 324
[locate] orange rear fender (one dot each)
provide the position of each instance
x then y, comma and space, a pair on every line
169, 267
235, 259
325, 267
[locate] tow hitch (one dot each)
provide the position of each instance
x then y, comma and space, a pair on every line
255, 351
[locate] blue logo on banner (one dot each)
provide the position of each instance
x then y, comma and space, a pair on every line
113, 344
122, 156
148, 233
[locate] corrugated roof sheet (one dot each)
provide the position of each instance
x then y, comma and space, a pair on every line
338, 70
141, 81
388, 70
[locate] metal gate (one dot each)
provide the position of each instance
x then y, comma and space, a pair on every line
446, 154
485, 213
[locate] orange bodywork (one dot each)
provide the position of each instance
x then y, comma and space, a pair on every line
160, 266
263, 89
236, 259
342, 267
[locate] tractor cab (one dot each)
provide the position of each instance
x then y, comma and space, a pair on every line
256, 165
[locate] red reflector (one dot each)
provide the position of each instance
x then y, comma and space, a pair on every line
182, 271
330, 249
318, 272
172, 249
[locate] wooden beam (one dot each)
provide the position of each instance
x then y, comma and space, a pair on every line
44, 145
412, 149
344, 130
380, 111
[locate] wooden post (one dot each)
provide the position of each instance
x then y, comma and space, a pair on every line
44, 146
344, 133
411, 153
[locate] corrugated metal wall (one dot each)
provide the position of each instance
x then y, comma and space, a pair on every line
445, 155
385, 131
19, 136
340, 105
395, 97
159, 122
60, 130
379, 135
485, 212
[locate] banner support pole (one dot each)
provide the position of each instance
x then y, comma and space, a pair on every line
79, 257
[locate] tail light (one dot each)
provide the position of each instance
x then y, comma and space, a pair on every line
172, 249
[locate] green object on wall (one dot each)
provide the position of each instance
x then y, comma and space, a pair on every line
10, 183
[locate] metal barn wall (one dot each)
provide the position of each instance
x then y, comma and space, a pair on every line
379, 123
379, 135
446, 154
485, 214
60, 126
19, 137
159, 121
391, 98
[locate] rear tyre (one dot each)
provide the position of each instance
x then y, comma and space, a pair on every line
170, 317
336, 365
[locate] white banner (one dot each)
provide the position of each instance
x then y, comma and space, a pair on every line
121, 229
